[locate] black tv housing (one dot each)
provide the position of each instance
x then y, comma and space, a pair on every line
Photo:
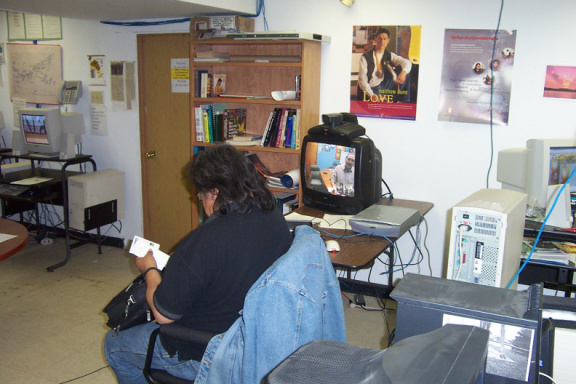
333, 141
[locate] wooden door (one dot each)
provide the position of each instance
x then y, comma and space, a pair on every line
164, 140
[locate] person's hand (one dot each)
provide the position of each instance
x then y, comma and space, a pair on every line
148, 261
401, 78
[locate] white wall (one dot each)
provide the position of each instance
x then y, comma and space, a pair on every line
120, 149
424, 159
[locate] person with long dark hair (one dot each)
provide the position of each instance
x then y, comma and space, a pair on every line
206, 279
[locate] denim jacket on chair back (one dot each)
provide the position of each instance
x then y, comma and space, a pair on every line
297, 300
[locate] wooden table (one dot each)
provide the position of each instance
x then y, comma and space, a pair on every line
359, 252
11, 247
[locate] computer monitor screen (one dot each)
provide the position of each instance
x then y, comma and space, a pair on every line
34, 128
562, 163
41, 129
331, 168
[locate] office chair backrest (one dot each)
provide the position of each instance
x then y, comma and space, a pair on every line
297, 300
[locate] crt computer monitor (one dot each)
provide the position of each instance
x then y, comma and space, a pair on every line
542, 163
328, 150
41, 129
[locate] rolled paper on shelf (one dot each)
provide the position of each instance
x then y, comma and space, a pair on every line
291, 179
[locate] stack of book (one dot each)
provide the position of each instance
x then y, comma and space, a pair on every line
554, 252
282, 129
272, 179
248, 139
211, 56
217, 122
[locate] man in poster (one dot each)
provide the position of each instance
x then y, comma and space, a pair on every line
384, 76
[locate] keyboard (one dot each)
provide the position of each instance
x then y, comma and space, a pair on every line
12, 189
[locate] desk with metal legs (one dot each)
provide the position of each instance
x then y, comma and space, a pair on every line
360, 252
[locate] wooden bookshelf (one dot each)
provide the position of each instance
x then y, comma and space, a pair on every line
260, 79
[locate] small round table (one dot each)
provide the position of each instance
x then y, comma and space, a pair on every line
12, 246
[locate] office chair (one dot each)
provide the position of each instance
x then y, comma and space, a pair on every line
450, 354
295, 295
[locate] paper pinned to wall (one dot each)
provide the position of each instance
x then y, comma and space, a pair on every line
180, 75
98, 120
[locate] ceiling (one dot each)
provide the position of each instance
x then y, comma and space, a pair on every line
126, 9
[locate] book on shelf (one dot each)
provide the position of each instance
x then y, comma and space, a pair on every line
198, 79
247, 137
219, 84
262, 169
218, 121
199, 123
234, 122
211, 55
548, 251
265, 58
247, 97
205, 84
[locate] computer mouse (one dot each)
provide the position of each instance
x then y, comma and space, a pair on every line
332, 246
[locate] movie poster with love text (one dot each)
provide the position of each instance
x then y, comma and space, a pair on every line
384, 75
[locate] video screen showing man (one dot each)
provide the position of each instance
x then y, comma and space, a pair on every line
343, 177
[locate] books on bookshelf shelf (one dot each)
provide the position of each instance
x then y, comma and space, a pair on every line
282, 129
216, 122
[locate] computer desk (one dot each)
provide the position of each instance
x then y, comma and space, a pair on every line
54, 191
360, 252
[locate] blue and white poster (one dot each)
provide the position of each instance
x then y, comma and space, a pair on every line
477, 76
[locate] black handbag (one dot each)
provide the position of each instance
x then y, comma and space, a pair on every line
129, 307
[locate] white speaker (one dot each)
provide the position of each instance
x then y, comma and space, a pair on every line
561, 216
18, 147
67, 146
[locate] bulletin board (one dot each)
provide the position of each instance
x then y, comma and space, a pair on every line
35, 72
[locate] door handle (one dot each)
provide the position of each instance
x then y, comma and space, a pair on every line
150, 155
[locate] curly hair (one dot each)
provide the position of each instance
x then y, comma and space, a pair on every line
225, 168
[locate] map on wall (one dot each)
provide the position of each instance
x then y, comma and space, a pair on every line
35, 72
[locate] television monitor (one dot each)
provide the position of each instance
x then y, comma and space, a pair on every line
533, 169
341, 169
50, 132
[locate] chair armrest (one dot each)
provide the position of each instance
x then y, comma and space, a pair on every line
176, 331
190, 335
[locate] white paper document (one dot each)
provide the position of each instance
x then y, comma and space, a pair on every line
141, 246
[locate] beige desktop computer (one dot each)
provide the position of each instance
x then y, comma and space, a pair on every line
95, 199
486, 233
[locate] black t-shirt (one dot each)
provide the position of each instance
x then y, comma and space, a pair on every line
205, 281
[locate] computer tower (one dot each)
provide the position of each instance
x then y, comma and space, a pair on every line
486, 233
95, 199
514, 319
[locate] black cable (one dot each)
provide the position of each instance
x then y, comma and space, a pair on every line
88, 374
492, 96
389, 191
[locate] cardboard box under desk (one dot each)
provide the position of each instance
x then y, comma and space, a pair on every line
199, 25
